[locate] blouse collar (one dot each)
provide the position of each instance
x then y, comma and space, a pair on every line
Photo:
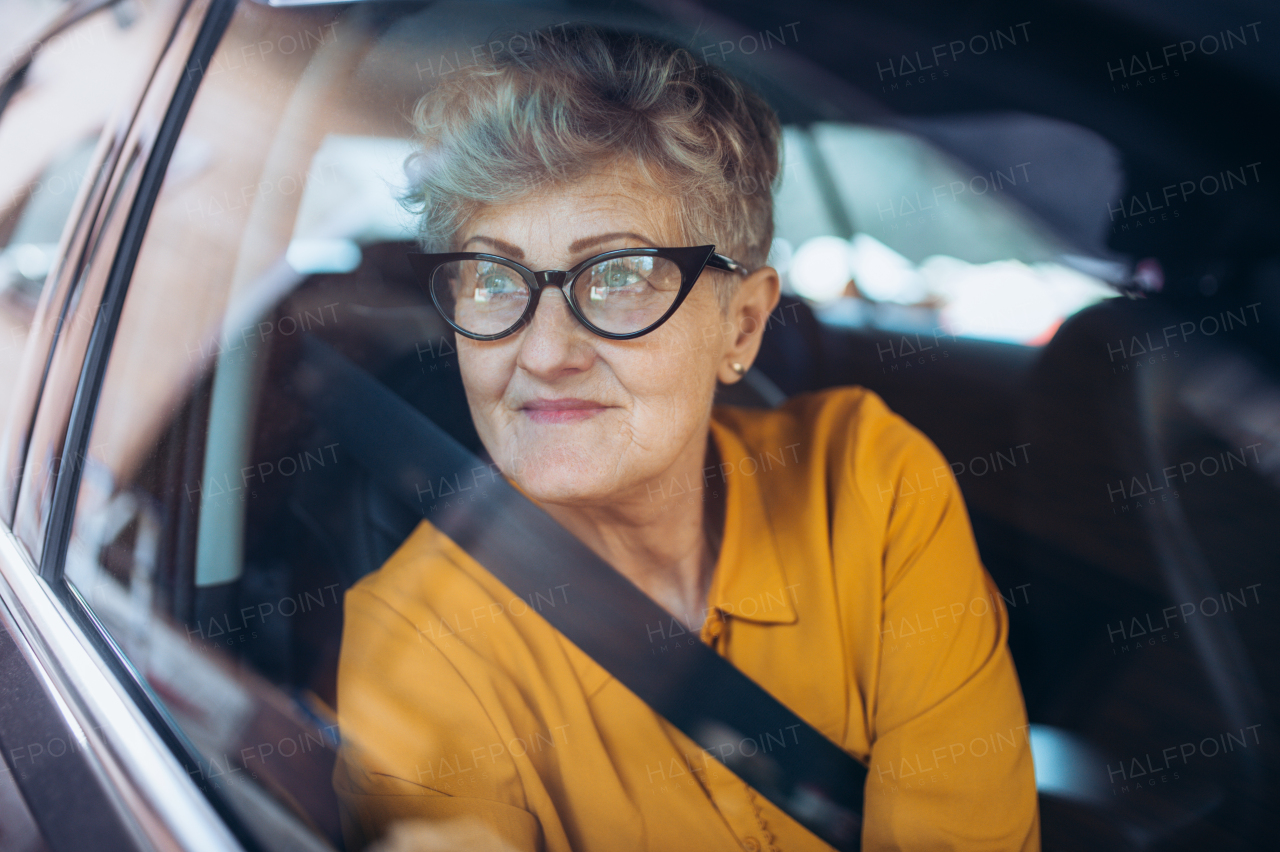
749, 582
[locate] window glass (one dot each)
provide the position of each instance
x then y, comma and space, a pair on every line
933, 245
218, 521
220, 517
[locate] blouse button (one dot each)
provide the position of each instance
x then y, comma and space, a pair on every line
751, 845
715, 628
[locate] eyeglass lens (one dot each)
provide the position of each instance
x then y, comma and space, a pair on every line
619, 295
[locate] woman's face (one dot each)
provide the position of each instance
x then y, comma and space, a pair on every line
572, 417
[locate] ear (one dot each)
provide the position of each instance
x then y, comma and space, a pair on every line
749, 311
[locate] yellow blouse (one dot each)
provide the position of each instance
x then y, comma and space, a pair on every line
848, 585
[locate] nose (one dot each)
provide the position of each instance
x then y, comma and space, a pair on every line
554, 343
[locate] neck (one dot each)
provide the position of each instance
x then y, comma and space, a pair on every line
665, 543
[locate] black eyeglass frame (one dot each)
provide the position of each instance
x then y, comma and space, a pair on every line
691, 261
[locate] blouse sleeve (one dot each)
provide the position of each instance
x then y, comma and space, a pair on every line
421, 756
950, 764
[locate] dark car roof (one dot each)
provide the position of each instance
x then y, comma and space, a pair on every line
1211, 113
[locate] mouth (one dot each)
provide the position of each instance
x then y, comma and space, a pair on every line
563, 410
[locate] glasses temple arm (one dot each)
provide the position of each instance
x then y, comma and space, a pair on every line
719, 261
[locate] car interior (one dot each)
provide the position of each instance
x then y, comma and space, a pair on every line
221, 521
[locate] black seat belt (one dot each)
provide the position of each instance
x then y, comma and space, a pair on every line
604, 614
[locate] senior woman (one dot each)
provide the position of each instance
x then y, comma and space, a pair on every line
822, 547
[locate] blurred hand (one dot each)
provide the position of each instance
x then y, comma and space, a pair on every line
456, 835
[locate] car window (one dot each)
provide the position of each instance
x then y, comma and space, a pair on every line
211, 536
906, 238
220, 517
219, 520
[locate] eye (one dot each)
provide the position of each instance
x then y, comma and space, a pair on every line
617, 275
494, 280
622, 274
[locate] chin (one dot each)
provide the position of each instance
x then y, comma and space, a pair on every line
553, 484
562, 475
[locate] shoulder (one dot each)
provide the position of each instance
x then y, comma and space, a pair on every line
425, 580
432, 593
849, 430
842, 413
397, 575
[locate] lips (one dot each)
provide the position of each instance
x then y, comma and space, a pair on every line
562, 410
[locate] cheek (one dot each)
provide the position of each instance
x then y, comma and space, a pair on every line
690, 343
485, 370
695, 336
673, 380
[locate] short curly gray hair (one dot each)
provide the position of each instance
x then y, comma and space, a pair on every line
578, 98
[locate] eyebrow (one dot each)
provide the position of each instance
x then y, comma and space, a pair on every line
512, 251
574, 248
587, 242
